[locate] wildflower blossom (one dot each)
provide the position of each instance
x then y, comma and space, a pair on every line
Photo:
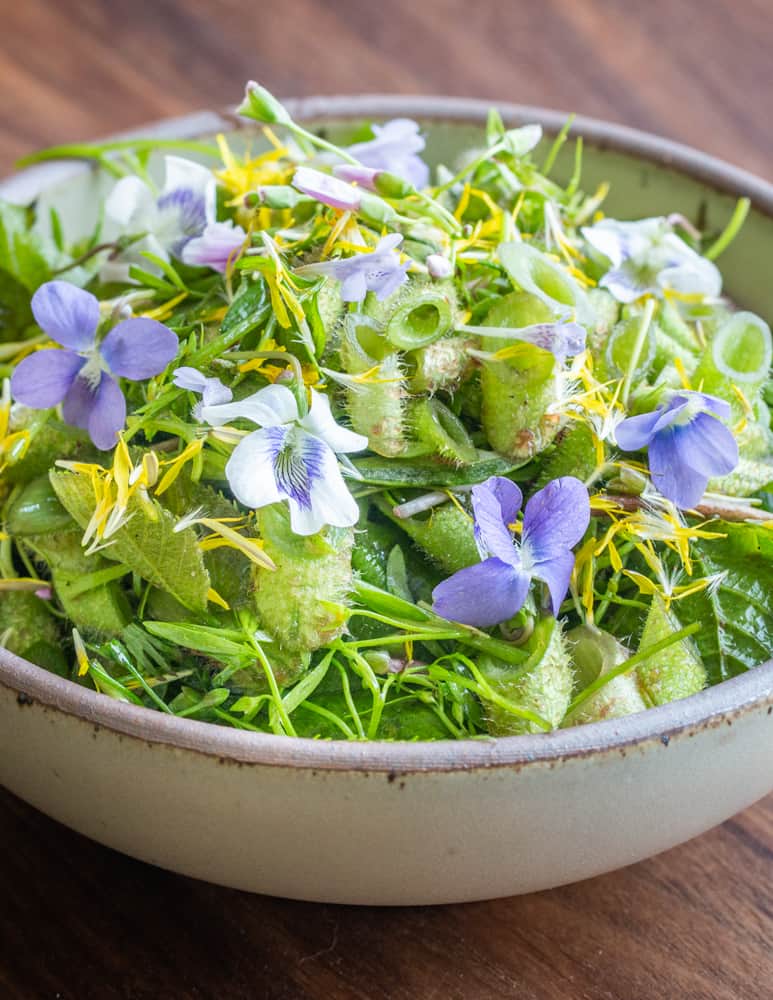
492, 591
292, 457
81, 376
326, 189
394, 149
648, 257
182, 213
687, 444
379, 271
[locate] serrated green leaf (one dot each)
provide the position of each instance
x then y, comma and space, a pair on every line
152, 548
736, 616
250, 308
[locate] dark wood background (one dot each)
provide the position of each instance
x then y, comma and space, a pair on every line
79, 921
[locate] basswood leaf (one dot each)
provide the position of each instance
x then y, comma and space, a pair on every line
148, 545
736, 616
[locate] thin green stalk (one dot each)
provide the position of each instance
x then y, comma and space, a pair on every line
731, 230
630, 663
638, 347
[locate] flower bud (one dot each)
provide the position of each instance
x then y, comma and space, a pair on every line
262, 106
439, 267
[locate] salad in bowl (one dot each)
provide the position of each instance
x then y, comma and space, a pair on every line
308, 439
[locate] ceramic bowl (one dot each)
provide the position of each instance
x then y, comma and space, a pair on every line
388, 823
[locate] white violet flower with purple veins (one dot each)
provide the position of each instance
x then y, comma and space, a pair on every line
211, 390
292, 457
378, 271
180, 222
648, 257
81, 375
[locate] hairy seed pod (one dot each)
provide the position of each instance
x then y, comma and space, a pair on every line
543, 685
377, 404
677, 671
302, 602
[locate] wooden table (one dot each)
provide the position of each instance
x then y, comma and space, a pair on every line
79, 921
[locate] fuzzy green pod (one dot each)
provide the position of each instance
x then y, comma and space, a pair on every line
574, 454
595, 653
440, 365
675, 672
445, 533
438, 431
543, 685
36, 510
302, 603
738, 357
614, 360
675, 327
755, 439
100, 611
419, 313
377, 405
606, 310
518, 390
747, 478
26, 624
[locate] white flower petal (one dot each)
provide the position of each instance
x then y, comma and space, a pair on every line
267, 407
320, 422
331, 501
181, 173
131, 204
250, 471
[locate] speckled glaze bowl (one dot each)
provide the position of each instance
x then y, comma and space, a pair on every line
387, 823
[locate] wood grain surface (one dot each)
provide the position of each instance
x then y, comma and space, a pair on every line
80, 921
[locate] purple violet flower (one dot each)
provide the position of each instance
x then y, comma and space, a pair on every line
217, 246
328, 190
351, 173
561, 339
81, 376
394, 150
379, 271
492, 591
687, 444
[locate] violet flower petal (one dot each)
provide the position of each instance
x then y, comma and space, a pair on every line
326, 189
707, 446
482, 595
555, 518
44, 378
365, 177
108, 413
66, 313
556, 572
394, 149
670, 475
495, 504
217, 247
635, 433
77, 404
139, 348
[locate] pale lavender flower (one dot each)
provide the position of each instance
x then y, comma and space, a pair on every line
561, 339
492, 591
81, 376
379, 271
327, 190
217, 247
687, 444
394, 149
292, 457
647, 257
352, 173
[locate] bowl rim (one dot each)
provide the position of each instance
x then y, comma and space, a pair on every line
748, 693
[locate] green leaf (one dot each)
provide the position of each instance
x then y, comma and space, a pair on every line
21, 250
736, 616
250, 308
147, 542
424, 473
